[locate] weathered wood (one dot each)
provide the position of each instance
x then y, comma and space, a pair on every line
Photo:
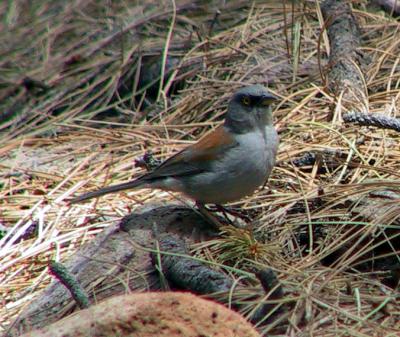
187, 273
113, 263
345, 60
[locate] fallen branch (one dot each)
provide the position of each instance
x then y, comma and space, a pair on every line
345, 60
110, 264
187, 273
377, 120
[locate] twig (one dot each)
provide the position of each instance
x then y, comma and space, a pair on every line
214, 21
69, 281
162, 89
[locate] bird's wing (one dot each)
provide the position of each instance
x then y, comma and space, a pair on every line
195, 158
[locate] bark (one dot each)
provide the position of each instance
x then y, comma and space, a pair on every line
345, 60
377, 120
187, 273
274, 290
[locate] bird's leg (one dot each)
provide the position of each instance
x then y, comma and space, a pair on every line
211, 219
225, 211
220, 208
232, 211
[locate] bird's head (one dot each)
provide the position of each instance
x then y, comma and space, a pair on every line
249, 109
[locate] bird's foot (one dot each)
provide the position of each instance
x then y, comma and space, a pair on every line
240, 220
236, 212
211, 219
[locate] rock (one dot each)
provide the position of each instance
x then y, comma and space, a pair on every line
151, 314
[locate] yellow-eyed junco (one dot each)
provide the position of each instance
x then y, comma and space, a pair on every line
225, 165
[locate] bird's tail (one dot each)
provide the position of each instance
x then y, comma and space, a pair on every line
109, 189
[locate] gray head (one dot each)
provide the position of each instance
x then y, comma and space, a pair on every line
249, 108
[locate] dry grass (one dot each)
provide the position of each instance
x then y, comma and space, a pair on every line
61, 147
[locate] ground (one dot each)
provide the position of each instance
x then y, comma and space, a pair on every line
330, 208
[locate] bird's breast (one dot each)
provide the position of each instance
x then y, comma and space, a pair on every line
238, 172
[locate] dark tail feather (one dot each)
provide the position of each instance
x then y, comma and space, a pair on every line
106, 190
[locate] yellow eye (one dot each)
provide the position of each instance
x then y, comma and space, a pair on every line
246, 100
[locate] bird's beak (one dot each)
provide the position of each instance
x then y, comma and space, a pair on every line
267, 100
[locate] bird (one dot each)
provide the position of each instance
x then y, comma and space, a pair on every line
227, 164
